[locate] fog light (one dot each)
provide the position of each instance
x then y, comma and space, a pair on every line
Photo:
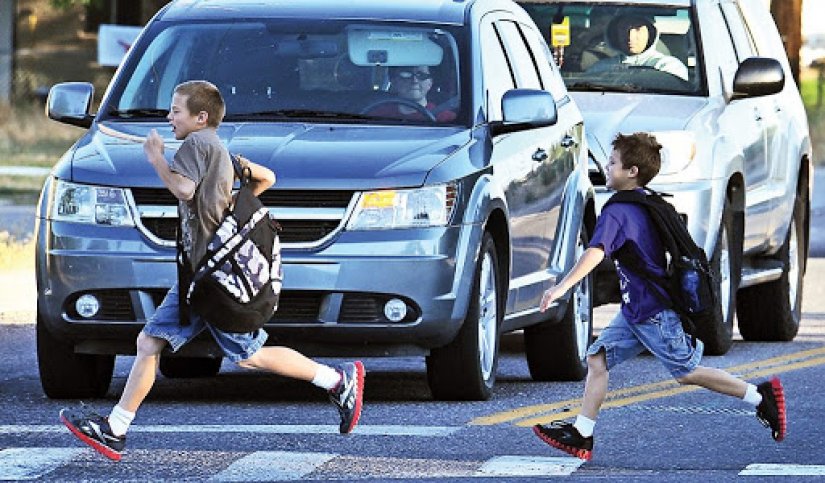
87, 306
395, 310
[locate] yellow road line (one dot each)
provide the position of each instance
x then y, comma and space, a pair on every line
544, 413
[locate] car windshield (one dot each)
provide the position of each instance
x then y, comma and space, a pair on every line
313, 70
622, 48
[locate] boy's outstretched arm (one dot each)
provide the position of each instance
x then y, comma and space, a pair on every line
262, 177
589, 260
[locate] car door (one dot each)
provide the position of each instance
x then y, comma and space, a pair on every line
782, 166
747, 123
530, 166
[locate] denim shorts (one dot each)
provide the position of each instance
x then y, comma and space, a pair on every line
165, 324
661, 334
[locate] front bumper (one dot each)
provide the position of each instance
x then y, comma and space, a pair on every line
331, 304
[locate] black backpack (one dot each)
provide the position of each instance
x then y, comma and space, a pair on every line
237, 284
689, 280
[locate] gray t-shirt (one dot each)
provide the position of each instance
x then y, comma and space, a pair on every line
203, 159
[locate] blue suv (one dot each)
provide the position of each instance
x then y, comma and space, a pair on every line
432, 182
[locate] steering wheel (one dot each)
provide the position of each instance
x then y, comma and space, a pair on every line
400, 101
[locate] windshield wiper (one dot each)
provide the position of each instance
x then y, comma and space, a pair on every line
139, 112
300, 114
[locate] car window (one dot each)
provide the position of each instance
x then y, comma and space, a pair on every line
724, 52
742, 40
521, 60
497, 76
598, 54
544, 61
276, 69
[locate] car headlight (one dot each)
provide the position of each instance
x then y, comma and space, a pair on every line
80, 203
678, 150
420, 207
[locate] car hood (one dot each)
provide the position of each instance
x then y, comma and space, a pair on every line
606, 114
316, 156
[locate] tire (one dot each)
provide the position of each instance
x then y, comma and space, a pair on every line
557, 351
727, 265
189, 367
65, 374
465, 369
772, 311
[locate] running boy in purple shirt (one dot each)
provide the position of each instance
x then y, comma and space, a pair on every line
646, 320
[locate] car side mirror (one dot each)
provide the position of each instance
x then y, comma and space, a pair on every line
758, 76
524, 109
70, 103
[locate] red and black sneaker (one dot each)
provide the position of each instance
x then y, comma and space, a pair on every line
771, 411
349, 395
93, 429
566, 437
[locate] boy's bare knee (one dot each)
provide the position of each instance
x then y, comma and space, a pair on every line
148, 345
249, 363
686, 380
597, 363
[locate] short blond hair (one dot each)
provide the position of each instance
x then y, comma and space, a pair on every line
203, 96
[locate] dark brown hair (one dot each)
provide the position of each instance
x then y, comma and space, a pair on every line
641, 150
202, 95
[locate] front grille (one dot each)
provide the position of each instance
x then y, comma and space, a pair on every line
271, 198
163, 228
293, 230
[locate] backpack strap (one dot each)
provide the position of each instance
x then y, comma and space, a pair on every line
244, 174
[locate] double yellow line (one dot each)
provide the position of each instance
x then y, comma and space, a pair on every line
545, 413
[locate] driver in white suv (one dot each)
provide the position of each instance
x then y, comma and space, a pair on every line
635, 37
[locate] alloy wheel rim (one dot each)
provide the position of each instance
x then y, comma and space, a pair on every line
487, 316
793, 267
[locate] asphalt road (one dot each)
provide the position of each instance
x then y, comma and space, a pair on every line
248, 426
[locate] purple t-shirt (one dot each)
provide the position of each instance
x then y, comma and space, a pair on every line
628, 225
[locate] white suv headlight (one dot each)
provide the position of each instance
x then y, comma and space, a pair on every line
80, 203
679, 150
420, 207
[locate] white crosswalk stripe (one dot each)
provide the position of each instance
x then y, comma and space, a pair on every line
273, 466
36, 463
33, 463
783, 470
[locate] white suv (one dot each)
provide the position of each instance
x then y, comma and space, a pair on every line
713, 83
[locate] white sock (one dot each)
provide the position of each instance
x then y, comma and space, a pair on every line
584, 425
120, 420
752, 396
326, 377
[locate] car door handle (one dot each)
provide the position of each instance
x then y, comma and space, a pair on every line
540, 155
568, 142
757, 115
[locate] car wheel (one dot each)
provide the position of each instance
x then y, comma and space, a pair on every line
717, 335
65, 374
186, 367
772, 311
465, 369
557, 351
